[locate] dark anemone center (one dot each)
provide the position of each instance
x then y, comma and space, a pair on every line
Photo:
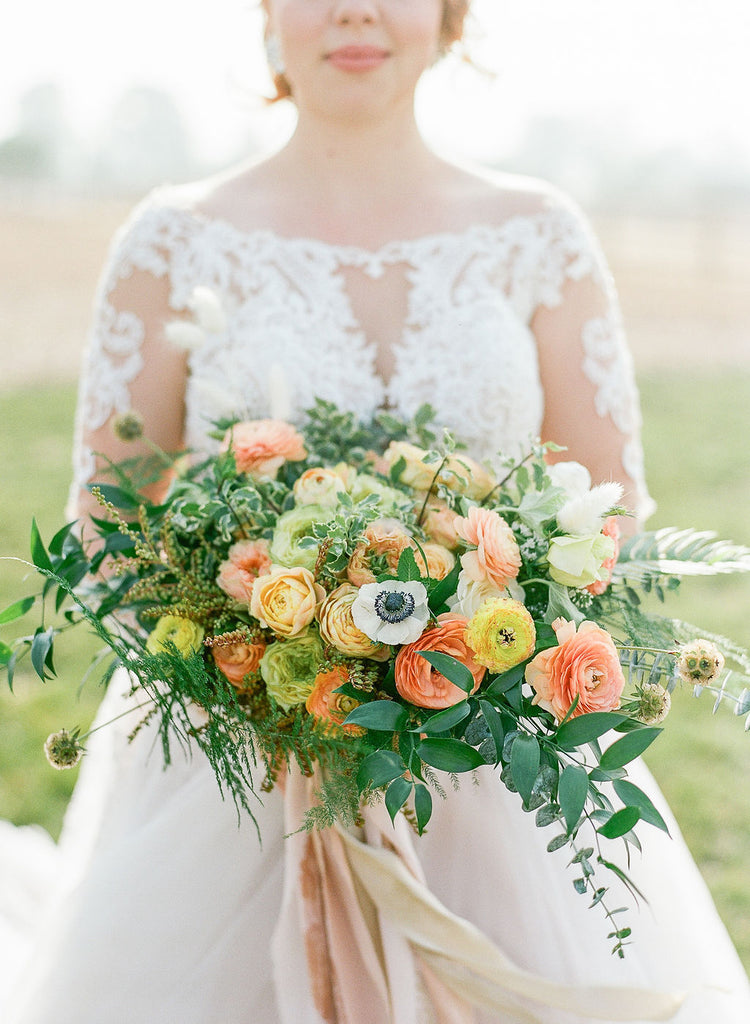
392, 606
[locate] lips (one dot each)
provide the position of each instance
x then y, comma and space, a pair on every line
357, 58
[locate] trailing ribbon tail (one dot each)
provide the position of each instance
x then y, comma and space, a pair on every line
361, 927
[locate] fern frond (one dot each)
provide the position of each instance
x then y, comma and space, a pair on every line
671, 552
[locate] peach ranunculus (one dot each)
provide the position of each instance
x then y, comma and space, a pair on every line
285, 600
584, 665
337, 627
384, 538
439, 522
440, 560
261, 447
246, 561
328, 706
460, 473
319, 486
611, 529
421, 684
235, 661
496, 557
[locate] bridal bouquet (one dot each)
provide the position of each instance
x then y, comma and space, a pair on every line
368, 602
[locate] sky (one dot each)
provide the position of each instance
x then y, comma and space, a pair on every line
667, 72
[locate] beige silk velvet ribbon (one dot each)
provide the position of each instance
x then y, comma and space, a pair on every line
377, 941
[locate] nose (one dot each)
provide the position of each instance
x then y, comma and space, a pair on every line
350, 12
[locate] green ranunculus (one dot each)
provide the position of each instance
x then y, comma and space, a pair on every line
577, 561
290, 528
186, 635
289, 668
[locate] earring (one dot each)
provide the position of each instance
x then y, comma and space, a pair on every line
273, 55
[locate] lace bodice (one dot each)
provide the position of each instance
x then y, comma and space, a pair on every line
466, 344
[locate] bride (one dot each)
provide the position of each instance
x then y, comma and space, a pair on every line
355, 266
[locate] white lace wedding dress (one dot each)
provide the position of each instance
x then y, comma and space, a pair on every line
161, 910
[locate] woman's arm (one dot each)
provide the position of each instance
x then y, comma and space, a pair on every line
129, 367
591, 400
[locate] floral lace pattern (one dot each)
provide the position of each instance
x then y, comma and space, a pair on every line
471, 297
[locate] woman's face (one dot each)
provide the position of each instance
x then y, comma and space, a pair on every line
354, 57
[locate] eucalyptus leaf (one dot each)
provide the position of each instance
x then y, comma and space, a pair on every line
525, 757
453, 670
632, 796
572, 791
628, 748
422, 805
449, 755
379, 768
396, 795
380, 715
585, 728
620, 823
444, 720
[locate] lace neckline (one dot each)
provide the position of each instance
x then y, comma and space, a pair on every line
404, 250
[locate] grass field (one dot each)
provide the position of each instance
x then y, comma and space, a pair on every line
696, 426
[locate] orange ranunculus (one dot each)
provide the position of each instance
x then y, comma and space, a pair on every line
611, 529
261, 447
496, 557
383, 537
246, 561
421, 684
285, 600
235, 661
328, 706
584, 665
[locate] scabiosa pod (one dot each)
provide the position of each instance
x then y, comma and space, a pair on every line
63, 749
700, 662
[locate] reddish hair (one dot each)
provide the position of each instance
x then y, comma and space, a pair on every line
451, 31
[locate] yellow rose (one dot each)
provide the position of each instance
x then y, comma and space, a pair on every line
415, 473
337, 626
285, 600
462, 474
184, 634
578, 561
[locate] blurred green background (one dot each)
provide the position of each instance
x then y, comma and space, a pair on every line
695, 433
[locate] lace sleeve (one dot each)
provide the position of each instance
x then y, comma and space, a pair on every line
128, 365
591, 399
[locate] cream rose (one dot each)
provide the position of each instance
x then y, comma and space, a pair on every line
285, 600
579, 561
338, 628
319, 486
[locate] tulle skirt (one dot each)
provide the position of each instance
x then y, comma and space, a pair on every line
159, 905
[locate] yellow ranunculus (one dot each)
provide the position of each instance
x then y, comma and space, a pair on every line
501, 634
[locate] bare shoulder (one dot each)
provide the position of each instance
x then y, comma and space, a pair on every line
492, 197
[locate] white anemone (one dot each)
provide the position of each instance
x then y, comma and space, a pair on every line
391, 612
